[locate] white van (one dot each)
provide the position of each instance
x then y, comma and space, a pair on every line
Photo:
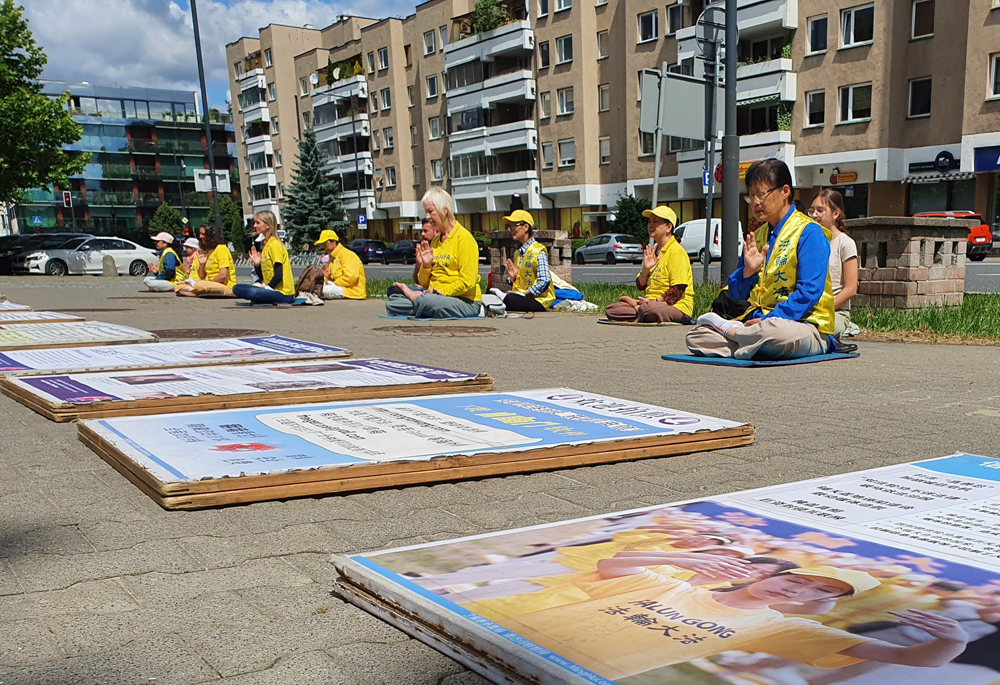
692, 238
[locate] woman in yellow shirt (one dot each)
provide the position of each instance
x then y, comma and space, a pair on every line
216, 273
274, 271
666, 277
448, 280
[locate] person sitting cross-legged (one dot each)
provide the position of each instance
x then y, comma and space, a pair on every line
344, 275
167, 272
783, 273
271, 264
528, 273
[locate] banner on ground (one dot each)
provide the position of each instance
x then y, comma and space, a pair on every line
69, 334
6, 306
880, 576
163, 355
157, 391
16, 317
352, 444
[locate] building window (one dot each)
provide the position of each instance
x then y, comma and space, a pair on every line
600, 3
675, 19
268, 58
545, 105
432, 86
413, 136
281, 191
430, 43
277, 158
390, 177
922, 24
307, 119
649, 26
564, 97
416, 175
567, 152
407, 56
409, 96
604, 144
603, 97
375, 144
437, 170
995, 75
543, 7
647, 144
816, 108
371, 62
675, 144
855, 103
272, 92
383, 58
920, 98
817, 34
564, 49
386, 99
238, 69
374, 103
547, 155
274, 125
563, 5
602, 44
434, 127
543, 55
857, 26
443, 31
303, 86
387, 138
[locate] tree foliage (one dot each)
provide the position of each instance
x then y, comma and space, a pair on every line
233, 226
166, 219
488, 15
629, 218
33, 128
312, 202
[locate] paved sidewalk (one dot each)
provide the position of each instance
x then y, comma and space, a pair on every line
100, 585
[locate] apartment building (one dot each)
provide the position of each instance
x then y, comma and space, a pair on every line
145, 144
895, 103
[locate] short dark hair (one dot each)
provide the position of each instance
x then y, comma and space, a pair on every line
770, 172
213, 237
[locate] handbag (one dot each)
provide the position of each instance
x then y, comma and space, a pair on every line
311, 281
729, 307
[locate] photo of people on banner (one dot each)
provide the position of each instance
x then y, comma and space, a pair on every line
709, 593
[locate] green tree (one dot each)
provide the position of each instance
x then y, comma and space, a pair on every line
488, 15
233, 226
312, 202
629, 218
33, 128
166, 219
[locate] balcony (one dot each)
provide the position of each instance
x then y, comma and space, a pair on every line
110, 199
256, 111
343, 128
252, 79
514, 37
150, 200
149, 172
355, 86
260, 144
344, 164
766, 79
349, 199
262, 176
514, 85
491, 193
494, 139
139, 145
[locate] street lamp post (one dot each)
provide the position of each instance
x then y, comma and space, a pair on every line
204, 106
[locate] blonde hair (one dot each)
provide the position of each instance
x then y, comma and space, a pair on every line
440, 200
271, 220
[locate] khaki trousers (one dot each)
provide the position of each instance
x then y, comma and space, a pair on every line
211, 289
647, 311
770, 339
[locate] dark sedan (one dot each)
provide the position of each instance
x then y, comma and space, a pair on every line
368, 250
403, 252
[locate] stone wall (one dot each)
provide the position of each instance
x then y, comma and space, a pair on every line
908, 263
502, 248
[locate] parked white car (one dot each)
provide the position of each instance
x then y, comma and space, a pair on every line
692, 238
86, 256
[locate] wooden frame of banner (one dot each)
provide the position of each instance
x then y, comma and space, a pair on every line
62, 318
75, 343
213, 492
62, 412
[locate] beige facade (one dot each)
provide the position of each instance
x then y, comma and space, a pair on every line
896, 103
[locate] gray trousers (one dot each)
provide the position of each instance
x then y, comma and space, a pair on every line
431, 306
771, 339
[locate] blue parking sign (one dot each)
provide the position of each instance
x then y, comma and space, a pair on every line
362, 222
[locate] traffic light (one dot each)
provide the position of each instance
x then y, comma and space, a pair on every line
67, 199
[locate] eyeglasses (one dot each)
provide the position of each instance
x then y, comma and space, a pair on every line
759, 199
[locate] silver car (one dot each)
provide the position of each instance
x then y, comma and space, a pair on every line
610, 248
86, 256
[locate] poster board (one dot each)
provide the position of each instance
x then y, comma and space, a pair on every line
19, 317
163, 355
612, 598
69, 334
7, 306
74, 396
203, 459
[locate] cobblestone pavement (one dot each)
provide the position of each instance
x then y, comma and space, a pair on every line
100, 585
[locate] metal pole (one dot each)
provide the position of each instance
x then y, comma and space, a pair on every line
183, 168
72, 212
730, 153
357, 171
204, 106
658, 135
711, 81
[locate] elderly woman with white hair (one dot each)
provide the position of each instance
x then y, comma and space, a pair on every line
448, 280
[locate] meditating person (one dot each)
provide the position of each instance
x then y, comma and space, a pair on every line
665, 278
783, 273
216, 274
828, 211
167, 272
344, 274
448, 280
531, 288
274, 283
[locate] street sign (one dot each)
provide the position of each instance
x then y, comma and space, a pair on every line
362, 222
203, 180
36, 221
709, 31
705, 180
184, 221
683, 112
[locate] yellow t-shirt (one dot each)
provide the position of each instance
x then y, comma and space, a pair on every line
347, 271
275, 253
672, 268
455, 271
641, 622
221, 258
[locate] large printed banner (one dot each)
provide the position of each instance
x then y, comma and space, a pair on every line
163, 354
69, 334
890, 575
12, 317
202, 451
156, 391
6, 306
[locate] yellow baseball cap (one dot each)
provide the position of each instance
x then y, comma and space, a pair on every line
519, 215
662, 212
328, 234
859, 580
